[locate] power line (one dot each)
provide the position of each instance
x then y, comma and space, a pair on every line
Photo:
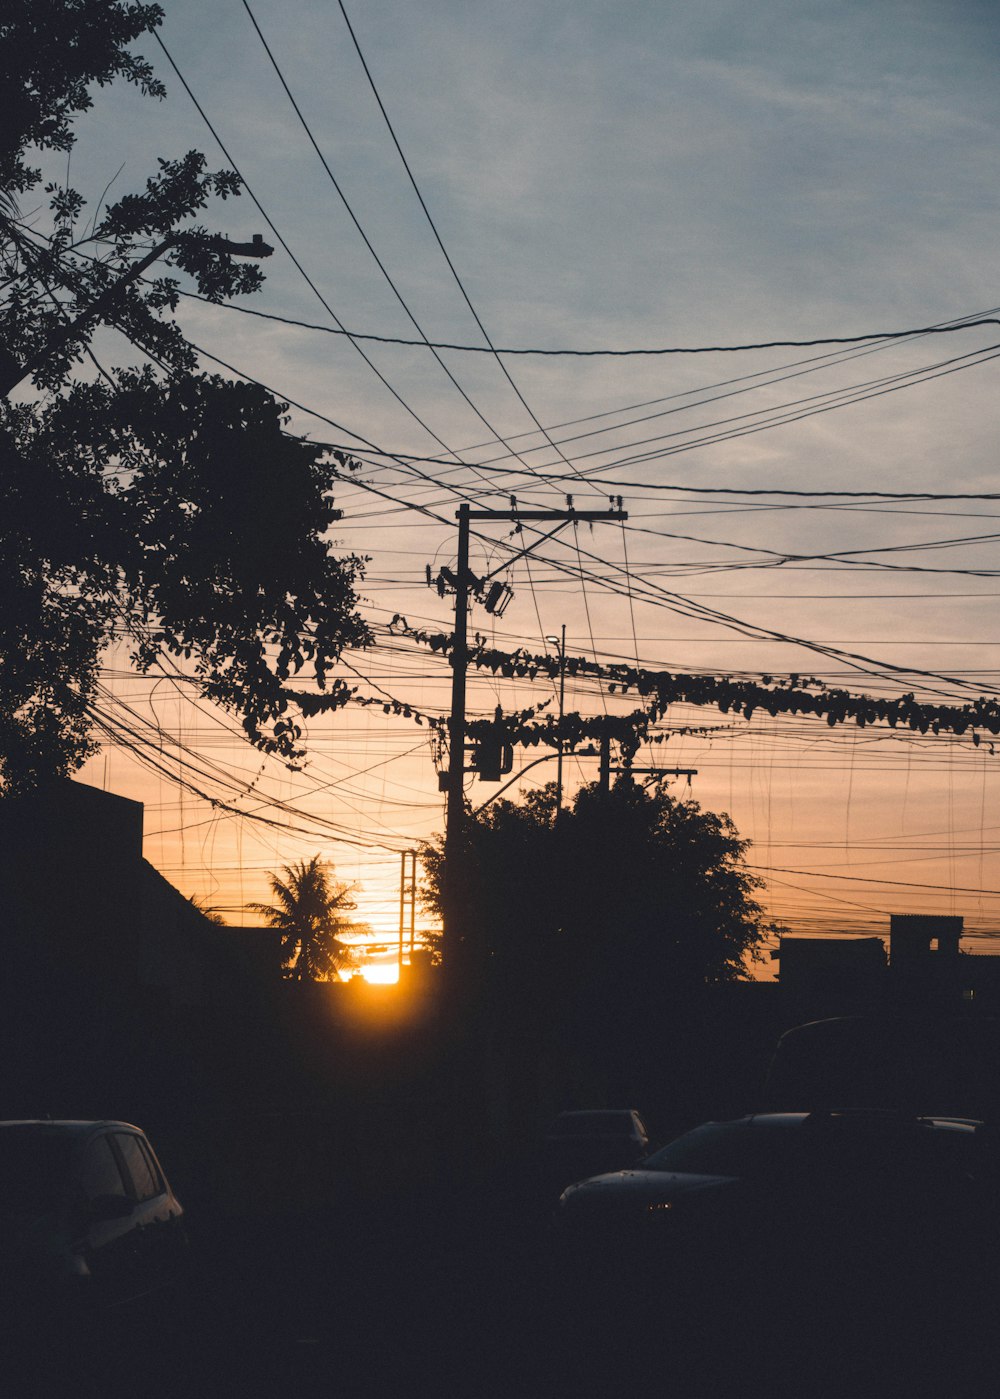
865, 879
672, 601
812, 365
407, 460
368, 244
658, 595
845, 555
676, 602
780, 417
565, 353
298, 265
491, 348
849, 394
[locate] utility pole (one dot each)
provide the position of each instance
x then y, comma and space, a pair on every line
404, 891
454, 836
455, 809
413, 901
402, 907
560, 644
604, 779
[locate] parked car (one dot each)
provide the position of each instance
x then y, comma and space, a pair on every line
822, 1189
87, 1218
583, 1143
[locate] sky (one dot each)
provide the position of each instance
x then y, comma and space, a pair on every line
613, 176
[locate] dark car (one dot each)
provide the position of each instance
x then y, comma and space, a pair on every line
586, 1142
87, 1218
821, 1189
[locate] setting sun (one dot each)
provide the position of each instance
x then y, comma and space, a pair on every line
381, 973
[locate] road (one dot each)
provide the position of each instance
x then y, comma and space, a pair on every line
458, 1296
462, 1298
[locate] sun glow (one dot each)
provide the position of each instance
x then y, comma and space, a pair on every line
381, 973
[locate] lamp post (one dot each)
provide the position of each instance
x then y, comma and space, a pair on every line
98, 308
560, 644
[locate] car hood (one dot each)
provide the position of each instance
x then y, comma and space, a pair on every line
641, 1187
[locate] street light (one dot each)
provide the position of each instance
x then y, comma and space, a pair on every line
560, 644
18, 373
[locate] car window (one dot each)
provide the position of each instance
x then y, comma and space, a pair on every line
99, 1174
153, 1165
138, 1167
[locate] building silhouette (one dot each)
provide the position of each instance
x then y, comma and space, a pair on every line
920, 961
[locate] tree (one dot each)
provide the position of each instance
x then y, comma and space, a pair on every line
308, 914
631, 891
149, 503
206, 910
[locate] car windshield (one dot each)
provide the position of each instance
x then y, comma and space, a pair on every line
726, 1149
592, 1124
34, 1168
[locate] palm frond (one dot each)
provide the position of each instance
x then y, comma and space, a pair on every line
308, 914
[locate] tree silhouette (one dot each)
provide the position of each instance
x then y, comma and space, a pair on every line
631, 892
206, 910
153, 504
307, 914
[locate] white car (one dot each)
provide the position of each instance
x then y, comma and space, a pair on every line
87, 1216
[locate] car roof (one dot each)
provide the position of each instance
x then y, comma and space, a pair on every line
596, 1112
858, 1117
69, 1126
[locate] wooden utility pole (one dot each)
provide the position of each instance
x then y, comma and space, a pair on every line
604, 779
402, 907
413, 900
455, 808
560, 644
407, 893
454, 837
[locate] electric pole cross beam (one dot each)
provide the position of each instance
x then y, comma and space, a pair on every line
607, 770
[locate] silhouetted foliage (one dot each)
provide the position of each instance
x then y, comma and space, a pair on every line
658, 690
630, 889
156, 505
206, 909
308, 914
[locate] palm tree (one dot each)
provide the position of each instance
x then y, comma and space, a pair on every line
206, 910
307, 913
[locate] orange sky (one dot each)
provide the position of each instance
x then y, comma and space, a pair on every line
635, 178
